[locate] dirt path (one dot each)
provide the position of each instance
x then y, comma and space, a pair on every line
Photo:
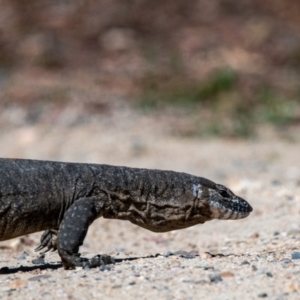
258, 257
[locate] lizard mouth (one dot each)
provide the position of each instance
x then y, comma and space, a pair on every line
233, 209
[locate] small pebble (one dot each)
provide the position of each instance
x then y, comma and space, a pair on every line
22, 256
39, 277
254, 267
269, 274
168, 253
215, 278
116, 286
285, 260
226, 274
262, 295
39, 261
296, 255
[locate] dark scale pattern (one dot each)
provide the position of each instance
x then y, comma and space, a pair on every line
65, 198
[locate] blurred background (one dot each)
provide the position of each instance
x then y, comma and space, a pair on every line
119, 71
210, 88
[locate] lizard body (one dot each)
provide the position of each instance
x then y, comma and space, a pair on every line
65, 198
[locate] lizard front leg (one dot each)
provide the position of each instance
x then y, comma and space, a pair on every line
72, 232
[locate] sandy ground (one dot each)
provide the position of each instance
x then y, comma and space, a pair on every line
258, 257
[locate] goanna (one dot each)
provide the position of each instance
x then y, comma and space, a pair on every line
65, 198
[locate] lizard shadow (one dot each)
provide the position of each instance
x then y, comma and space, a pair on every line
55, 266
7, 270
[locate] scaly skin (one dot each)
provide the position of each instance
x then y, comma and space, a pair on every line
65, 198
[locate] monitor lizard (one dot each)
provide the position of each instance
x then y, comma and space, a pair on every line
63, 199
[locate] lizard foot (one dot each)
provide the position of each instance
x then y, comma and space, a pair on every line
98, 261
48, 241
72, 261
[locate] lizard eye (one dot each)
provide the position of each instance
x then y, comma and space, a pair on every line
224, 194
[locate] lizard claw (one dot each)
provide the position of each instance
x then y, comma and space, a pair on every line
48, 241
38, 248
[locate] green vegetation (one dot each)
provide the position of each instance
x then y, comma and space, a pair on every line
178, 91
216, 105
277, 109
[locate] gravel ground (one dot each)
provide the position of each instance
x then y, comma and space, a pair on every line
258, 257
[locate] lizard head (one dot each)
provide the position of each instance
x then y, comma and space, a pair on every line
225, 205
222, 202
